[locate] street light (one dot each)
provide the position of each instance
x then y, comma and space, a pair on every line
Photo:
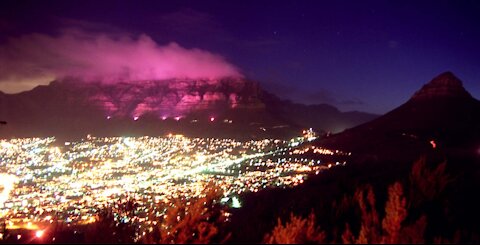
39, 234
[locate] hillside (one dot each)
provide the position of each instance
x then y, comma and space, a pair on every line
206, 108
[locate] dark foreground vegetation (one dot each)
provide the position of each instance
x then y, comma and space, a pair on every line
431, 200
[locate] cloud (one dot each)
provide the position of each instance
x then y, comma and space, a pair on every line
93, 56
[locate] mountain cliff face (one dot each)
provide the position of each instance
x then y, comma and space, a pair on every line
442, 111
222, 107
166, 98
445, 85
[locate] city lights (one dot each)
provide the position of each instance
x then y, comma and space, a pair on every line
71, 182
39, 234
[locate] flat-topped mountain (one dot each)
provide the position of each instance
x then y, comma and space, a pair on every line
165, 98
221, 107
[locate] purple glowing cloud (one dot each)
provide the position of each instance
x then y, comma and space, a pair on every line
33, 59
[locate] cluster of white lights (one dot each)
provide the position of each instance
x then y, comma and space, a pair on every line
75, 180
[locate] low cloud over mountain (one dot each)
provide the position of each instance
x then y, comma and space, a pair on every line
34, 59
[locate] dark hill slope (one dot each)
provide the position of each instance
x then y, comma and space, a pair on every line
442, 112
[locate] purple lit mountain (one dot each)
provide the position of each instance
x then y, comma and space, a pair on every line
442, 114
222, 107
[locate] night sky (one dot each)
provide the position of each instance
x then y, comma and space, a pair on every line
356, 55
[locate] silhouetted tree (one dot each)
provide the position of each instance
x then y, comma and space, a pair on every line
395, 214
196, 220
296, 231
370, 228
114, 224
427, 184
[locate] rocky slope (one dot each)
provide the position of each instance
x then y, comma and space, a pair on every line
222, 107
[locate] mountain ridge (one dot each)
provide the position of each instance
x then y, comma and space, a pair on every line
175, 103
442, 112
444, 85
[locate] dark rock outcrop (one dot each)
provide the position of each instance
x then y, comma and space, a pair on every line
444, 85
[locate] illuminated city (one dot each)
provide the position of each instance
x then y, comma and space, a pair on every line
237, 122
72, 181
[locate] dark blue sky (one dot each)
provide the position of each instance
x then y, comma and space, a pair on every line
356, 55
